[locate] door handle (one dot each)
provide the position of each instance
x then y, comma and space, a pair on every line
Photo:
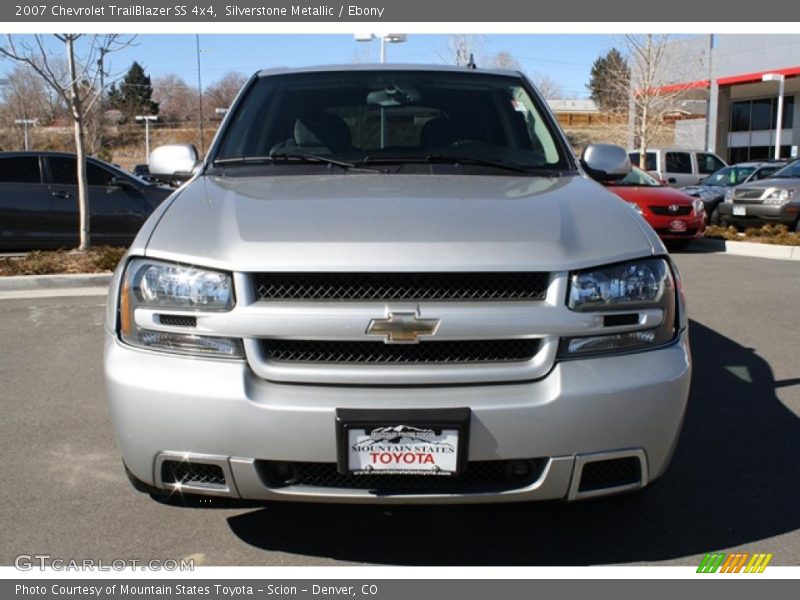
64, 195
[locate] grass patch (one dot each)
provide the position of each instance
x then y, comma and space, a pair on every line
96, 260
768, 234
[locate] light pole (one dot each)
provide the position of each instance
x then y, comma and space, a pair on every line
779, 120
25, 123
146, 119
385, 38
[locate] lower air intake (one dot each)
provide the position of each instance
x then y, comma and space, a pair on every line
612, 473
195, 474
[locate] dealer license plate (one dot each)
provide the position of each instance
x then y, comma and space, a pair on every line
740, 211
402, 450
678, 226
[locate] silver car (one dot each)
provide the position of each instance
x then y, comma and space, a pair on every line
396, 284
773, 201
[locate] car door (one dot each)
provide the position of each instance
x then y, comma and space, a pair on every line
116, 211
25, 220
678, 169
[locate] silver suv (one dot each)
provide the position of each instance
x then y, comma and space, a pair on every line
396, 284
773, 201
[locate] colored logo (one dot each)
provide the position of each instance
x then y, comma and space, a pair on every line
737, 562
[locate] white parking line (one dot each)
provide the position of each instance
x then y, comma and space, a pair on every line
54, 293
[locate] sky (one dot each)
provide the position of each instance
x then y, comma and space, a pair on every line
566, 59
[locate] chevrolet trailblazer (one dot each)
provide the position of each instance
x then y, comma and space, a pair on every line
396, 284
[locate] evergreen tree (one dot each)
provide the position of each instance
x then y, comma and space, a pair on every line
609, 82
134, 95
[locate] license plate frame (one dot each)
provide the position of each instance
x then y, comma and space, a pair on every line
350, 422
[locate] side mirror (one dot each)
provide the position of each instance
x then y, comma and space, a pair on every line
173, 162
605, 162
120, 182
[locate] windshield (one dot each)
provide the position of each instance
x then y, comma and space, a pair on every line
637, 177
392, 116
729, 176
790, 171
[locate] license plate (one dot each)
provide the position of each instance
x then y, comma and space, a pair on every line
400, 442
677, 226
402, 450
740, 211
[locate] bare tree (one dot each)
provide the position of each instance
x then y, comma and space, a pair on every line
177, 101
78, 89
505, 60
659, 69
548, 87
222, 93
460, 48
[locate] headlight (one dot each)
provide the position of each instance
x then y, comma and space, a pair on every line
636, 207
699, 206
628, 287
729, 195
779, 197
149, 284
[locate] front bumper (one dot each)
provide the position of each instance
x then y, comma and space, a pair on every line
693, 226
630, 405
761, 214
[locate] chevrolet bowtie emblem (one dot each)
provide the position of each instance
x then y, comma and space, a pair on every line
402, 328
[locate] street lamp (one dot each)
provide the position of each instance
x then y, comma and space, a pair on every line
25, 123
385, 38
779, 122
146, 119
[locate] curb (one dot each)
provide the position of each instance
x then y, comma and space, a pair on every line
18, 283
718, 246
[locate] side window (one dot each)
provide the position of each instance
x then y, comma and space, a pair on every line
20, 169
765, 173
64, 170
98, 175
650, 160
679, 162
708, 163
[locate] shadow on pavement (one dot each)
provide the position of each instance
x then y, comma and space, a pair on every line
733, 481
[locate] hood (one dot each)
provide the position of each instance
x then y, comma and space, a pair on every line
704, 190
779, 183
382, 222
658, 196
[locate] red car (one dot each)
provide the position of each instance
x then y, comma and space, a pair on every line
677, 217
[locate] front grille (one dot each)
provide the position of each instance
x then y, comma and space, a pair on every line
379, 353
664, 210
479, 476
386, 287
603, 474
192, 473
748, 193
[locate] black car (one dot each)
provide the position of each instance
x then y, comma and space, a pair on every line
39, 201
712, 189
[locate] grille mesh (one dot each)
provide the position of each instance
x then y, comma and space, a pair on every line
177, 320
615, 472
401, 286
664, 210
478, 476
690, 232
748, 193
472, 351
189, 473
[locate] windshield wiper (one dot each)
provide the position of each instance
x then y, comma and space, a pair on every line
284, 157
457, 159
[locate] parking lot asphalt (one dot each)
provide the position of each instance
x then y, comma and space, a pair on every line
733, 483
